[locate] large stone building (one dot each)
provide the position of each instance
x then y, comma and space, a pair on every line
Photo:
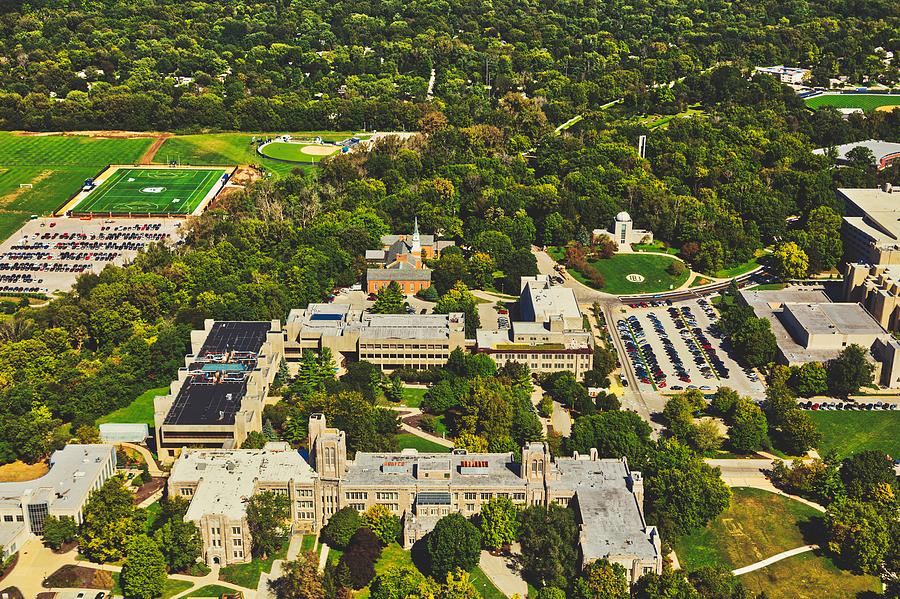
551, 335
402, 259
623, 233
218, 397
878, 289
390, 341
808, 327
871, 226
75, 471
606, 496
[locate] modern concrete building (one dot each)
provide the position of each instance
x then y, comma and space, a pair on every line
871, 227
218, 397
808, 327
390, 341
75, 471
791, 75
884, 152
551, 335
606, 495
878, 289
402, 259
623, 233
219, 482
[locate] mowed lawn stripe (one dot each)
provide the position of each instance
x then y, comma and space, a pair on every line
117, 194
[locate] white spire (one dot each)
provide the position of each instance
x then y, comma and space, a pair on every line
416, 240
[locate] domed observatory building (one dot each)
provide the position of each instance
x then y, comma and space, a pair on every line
623, 233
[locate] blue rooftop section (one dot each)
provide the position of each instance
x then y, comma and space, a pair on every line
326, 316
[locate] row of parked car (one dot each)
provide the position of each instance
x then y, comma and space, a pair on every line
643, 359
669, 347
704, 354
839, 405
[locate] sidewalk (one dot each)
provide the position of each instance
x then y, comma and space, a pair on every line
775, 558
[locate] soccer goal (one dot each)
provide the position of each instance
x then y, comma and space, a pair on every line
25, 185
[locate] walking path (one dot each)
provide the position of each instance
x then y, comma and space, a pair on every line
148, 156
152, 466
323, 557
407, 412
501, 570
775, 558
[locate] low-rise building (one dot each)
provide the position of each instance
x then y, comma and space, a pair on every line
551, 335
420, 488
808, 327
884, 153
623, 233
218, 397
871, 228
791, 75
75, 471
390, 341
401, 259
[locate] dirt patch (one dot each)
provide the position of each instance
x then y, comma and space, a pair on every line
888, 108
244, 175
12, 195
148, 489
79, 577
20, 471
148, 156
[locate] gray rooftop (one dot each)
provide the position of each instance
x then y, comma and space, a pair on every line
837, 319
880, 149
878, 209
398, 274
73, 471
406, 468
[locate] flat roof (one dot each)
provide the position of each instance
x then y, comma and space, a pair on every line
879, 209
880, 149
236, 336
367, 469
837, 319
73, 471
206, 403
547, 300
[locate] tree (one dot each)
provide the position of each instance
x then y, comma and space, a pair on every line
865, 471
144, 570
383, 523
459, 299
748, 430
363, 551
858, 534
790, 261
179, 541
498, 522
551, 593
549, 538
705, 437
389, 300
268, 515
59, 531
798, 433
612, 434
810, 379
717, 582
393, 391
671, 583
454, 543
109, 521
254, 440
397, 582
678, 418
682, 492
342, 525
849, 371
300, 579
87, 434
602, 580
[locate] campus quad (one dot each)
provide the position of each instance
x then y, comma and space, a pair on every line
152, 191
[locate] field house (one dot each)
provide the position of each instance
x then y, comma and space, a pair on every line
149, 190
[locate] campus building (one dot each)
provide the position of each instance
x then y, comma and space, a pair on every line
420, 488
871, 227
75, 471
401, 259
790, 75
808, 327
884, 153
877, 287
551, 335
219, 395
623, 233
389, 341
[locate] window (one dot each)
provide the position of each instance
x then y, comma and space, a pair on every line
485, 496
470, 507
471, 495
216, 542
386, 496
305, 504
237, 542
357, 495
186, 492
305, 492
359, 507
236, 530
239, 553
7, 518
519, 496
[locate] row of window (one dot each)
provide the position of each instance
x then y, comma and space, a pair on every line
402, 346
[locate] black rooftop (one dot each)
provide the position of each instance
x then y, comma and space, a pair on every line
209, 404
235, 336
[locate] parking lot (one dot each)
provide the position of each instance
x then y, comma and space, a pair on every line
47, 254
673, 347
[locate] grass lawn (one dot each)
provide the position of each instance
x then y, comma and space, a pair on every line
484, 585
171, 587
412, 396
152, 515
138, 411
655, 121
408, 440
736, 271
210, 590
308, 543
699, 281
392, 555
20, 471
56, 167
656, 246
247, 575
807, 576
614, 270
865, 101
757, 525
769, 287
849, 432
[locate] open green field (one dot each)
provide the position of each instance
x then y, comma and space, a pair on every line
248, 574
413, 396
151, 190
140, 410
56, 167
757, 525
865, 101
298, 152
615, 270
810, 575
232, 148
408, 440
850, 432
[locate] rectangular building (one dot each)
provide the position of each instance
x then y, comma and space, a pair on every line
391, 341
75, 471
871, 228
551, 335
219, 395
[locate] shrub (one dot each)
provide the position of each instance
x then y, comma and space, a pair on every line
341, 527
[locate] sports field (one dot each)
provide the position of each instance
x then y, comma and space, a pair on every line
298, 152
865, 101
151, 190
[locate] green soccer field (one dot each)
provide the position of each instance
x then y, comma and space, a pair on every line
154, 191
866, 102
